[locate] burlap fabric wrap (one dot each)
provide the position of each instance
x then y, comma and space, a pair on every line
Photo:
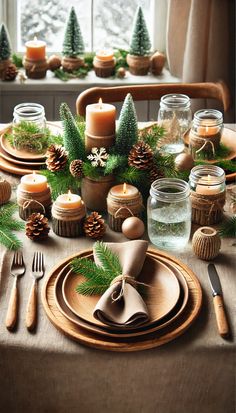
29, 202
35, 69
119, 209
121, 304
207, 209
68, 223
200, 145
104, 68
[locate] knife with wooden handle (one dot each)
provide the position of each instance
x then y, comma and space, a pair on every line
217, 294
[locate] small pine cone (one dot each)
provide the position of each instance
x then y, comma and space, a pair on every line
54, 62
155, 173
37, 227
56, 158
141, 156
10, 72
76, 168
94, 226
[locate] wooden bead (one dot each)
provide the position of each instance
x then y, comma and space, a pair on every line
133, 227
5, 191
184, 162
206, 243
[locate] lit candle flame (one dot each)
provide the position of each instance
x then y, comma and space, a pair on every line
69, 196
100, 103
35, 39
208, 178
34, 176
124, 188
207, 132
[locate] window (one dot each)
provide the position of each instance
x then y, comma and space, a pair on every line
104, 23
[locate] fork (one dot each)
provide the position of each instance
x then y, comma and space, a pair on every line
37, 273
17, 270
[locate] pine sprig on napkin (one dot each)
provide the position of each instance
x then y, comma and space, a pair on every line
9, 224
98, 278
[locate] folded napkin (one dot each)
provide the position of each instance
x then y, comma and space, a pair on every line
121, 305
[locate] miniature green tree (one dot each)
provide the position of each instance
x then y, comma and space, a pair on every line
140, 42
73, 142
73, 44
5, 49
127, 133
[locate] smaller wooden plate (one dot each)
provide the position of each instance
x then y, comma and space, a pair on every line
16, 161
161, 297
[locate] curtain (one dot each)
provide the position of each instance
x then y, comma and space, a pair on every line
198, 41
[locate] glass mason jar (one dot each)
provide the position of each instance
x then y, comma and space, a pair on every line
176, 116
34, 115
169, 213
205, 134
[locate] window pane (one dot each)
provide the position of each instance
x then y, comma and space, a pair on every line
113, 22
46, 19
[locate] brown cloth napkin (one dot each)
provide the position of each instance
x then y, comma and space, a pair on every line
128, 307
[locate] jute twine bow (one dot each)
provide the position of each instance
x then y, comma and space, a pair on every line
123, 207
124, 279
205, 142
26, 204
215, 204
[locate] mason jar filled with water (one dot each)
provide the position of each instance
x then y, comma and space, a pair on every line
175, 116
169, 213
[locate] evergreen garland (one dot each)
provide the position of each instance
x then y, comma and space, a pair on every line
73, 142
60, 182
127, 133
98, 277
5, 49
73, 44
228, 228
140, 42
9, 224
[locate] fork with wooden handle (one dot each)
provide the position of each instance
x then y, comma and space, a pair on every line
37, 273
17, 270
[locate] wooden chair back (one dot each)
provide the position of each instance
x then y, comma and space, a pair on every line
207, 90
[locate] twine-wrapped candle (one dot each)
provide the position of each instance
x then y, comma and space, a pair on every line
35, 62
104, 63
123, 201
33, 195
68, 214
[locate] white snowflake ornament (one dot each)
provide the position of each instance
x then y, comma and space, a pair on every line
98, 157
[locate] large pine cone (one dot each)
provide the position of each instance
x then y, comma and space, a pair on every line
10, 72
56, 158
76, 168
94, 226
141, 156
155, 174
37, 227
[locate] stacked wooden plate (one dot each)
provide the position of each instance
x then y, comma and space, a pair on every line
174, 301
21, 162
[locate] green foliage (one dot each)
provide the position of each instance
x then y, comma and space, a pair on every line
140, 42
17, 60
120, 55
5, 48
73, 142
132, 175
220, 153
115, 162
88, 60
60, 182
92, 171
98, 277
228, 166
152, 135
165, 164
127, 133
73, 44
9, 224
62, 75
28, 136
228, 228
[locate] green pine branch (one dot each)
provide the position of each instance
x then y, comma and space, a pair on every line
115, 162
89, 288
152, 135
127, 133
91, 171
17, 60
60, 182
227, 165
228, 228
9, 224
109, 261
132, 175
73, 142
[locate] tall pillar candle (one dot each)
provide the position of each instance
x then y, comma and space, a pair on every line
68, 214
35, 62
33, 195
100, 125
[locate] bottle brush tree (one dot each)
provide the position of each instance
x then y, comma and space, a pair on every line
73, 44
140, 42
127, 133
73, 142
5, 49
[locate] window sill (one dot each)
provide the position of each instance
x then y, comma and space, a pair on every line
51, 83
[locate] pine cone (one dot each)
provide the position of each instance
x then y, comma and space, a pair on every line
56, 158
141, 156
76, 168
94, 226
37, 226
155, 173
54, 62
10, 72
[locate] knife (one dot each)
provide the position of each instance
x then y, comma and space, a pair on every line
221, 319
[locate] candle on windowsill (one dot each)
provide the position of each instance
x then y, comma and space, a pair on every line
104, 63
35, 49
34, 61
123, 201
68, 215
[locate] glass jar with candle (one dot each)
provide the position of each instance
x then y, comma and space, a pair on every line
169, 213
207, 185
32, 114
205, 134
175, 116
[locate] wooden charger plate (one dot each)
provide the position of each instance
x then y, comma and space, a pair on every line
151, 340
121, 333
16, 161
